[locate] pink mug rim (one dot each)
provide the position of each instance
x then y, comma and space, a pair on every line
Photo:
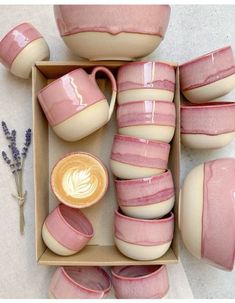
104, 273
141, 140
158, 269
10, 31
214, 104
148, 100
144, 62
205, 55
92, 156
89, 236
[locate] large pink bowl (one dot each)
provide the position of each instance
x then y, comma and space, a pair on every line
79, 282
140, 282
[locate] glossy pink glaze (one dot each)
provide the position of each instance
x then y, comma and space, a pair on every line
211, 118
140, 282
15, 41
145, 191
207, 69
79, 282
140, 152
69, 227
114, 19
71, 94
218, 230
146, 112
155, 75
143, 232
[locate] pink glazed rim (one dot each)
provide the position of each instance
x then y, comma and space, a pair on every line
148, 61
105, 275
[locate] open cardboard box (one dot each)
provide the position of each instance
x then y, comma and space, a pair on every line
48, 148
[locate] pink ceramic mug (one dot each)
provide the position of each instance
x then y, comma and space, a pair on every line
140, 282
79, 282
66, 230
149, 119
74, 104
142, 239
146, 81
21, 48
146, 198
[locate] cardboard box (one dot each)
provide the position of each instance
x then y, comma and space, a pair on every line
48, 148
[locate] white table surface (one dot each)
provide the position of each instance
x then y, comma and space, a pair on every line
193, 30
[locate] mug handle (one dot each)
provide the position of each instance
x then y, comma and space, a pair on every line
114, 86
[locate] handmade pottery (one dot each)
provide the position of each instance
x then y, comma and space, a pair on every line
21, 48
140, 282
74, 105
208, 77
210, 125
146, 81
133, 157
112, 32
142, 239
206, 213
66, 230
79, 180
146, 198
154, 120
79, 282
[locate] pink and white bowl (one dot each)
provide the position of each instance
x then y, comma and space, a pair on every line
79, 282
140, 282
112, 32
209, 76
146, 81
142, 239
150, 119
207, 212
66, 230
133, 157
210, 125
146, 198
21, 48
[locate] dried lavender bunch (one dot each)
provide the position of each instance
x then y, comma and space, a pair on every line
16, 164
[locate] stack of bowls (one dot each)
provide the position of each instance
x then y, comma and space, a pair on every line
144, 224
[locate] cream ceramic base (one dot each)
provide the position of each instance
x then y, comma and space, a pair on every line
151, 132
126, 171
201, 141
145, 94
53, 245
37, 50
140, 252
190, 210
211, 91
104, 46
83, 123
152, 211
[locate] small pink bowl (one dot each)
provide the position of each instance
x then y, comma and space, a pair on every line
66, 230
133, 157
79, 282
140, 282
150, 119
146, 198
142, 239
209, 76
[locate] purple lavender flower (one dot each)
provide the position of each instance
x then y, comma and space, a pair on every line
28, 135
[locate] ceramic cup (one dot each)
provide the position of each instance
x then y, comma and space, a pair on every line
146, 81
133, 157
66, 230
154, 120
117, 32
79, 282
74, 104
210, 125
141, 239
140, 282
209, 76
146, 198
206, 212
21, 48
79, 180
